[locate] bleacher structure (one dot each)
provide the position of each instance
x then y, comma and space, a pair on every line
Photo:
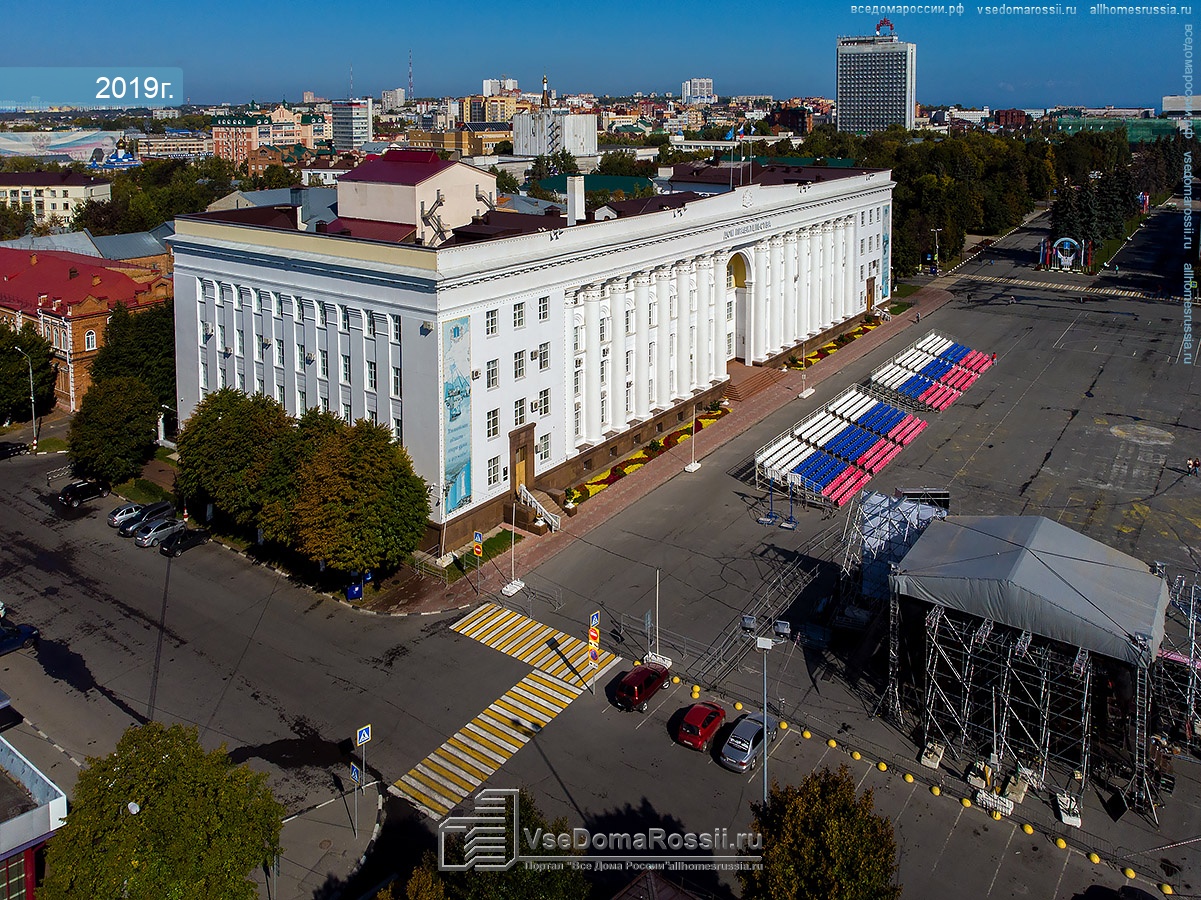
930, 374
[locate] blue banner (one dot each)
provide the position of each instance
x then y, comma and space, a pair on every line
456, 423
94, 87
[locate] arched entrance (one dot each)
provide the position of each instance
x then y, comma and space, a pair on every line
738, 288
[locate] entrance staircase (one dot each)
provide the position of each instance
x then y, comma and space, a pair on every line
746, 381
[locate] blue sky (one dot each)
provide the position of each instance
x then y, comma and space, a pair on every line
780, 47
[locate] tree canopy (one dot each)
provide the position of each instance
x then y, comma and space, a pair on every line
14, 373
112, 435
141, 345
162, 817
823, 841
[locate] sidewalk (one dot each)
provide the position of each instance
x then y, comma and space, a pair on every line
534, 551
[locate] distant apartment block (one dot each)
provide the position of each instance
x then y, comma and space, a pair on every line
549, 131
877, 83
165, 112
466, 141
49, 194
353, 126
175, 146
698, 90
494, 86
1011, 118
236, 136
392, 100
1178, 105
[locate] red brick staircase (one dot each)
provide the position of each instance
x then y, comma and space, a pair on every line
746, 381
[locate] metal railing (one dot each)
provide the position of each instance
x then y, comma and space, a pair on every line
429, 570
528, 498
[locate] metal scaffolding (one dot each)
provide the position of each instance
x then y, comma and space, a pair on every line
1177, 673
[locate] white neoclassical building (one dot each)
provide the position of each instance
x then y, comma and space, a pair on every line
507, 349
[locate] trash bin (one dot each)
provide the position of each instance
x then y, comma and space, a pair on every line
354, 591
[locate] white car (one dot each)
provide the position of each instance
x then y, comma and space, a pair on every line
153, 532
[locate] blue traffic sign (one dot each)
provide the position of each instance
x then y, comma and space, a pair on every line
479, 537
594, 620
355, 775
363, 736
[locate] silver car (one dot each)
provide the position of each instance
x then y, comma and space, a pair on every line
153, 532
744, 746
123, 514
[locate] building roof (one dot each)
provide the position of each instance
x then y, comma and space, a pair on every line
640, 205
369, 230
316, 203
625, 183
1036, 575
27, 277
519, 203
400, 167
70, 242
129, 246
48, 179
501, 224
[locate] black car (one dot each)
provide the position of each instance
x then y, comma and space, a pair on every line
183, 540
17, 637
78, 492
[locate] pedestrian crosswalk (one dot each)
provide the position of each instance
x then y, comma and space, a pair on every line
456, 769
1056, 286
554, 652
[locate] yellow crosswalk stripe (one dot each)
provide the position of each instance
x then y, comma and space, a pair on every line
483, 763
434, 808
435, 763
433, 787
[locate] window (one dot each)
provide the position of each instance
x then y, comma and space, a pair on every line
279, 304
324, 403
544, 356
396, 329
396, 382
519, 364
543, 308
89, 340
301, 401
204, 373
629, 362
519, 315
861, 244
371, 369
241, 381
491, 320
372, 417
604, 409
603, 330
729, 310
258, 301
279, 394
301, 357
576, 381
322, 315
861, 273
604, 371
397, 430
323, 358
654, 314
241, 342
279, 351
345, 318
577, 338
493, 471
544, 402
369, 321
629, 320
346, 411
493, 423
259, 386
862, 217
729, 345
519, 412
221, 335
542, 448
493, 367
629, 396
345, 369
577, 421
671, 306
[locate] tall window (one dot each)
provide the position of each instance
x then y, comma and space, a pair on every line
323, 356
345, 318
604, 371
519, 315
543, 448
654, 314
279, 304
577, 338
544, 402
279, 351
578, 420
396, 329
577, 380
491, 320
241, 342
629, 362
396, 382
493, 471
519, 364
629, 320
89, 340
398, 430
322, 315
544, 356
346, 414
300, 357
369, 321
493, 422
371, 369
519, 412
603, 330
345, 369
493, 368
543, 308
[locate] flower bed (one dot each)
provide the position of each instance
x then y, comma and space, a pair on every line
615, 473
834, 345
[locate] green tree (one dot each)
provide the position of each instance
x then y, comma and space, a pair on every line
506, 182
565, 163
504, 148
14, 373
162, 817
15, 222
112, 435
519, 882
823, 840
360, 507
141, 345
278, 486
226, 447
277, 176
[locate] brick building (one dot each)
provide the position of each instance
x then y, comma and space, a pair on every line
68, 297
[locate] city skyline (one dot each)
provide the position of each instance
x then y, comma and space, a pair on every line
972, 59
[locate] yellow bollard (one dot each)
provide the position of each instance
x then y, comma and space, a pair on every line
1061, 843
1166, 888
783, 726
1128, 872
1094, 858
996, 814
966, 802
1028, 828
856, 755
882, 766
696, 688
935, 790
831, 743
908, 778
738, 705
637, 662
806, 734
675, 679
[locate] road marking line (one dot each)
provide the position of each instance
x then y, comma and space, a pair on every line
539, 717
489, 741
437, 787
490, 755
505, 729
432, 807
436, 764
1001, 862
950, 832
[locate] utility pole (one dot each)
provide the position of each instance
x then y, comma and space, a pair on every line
936, 263
33, 416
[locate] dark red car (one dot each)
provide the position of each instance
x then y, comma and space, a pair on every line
700, 724
641, 683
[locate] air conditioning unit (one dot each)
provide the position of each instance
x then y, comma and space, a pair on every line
208, 330
475, 374
227, 350
308, 359
266, 342
533, 355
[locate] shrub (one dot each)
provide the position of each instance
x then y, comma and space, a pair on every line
655, 446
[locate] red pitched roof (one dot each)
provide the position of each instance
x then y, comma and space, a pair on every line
369, 229
70, 277
399, 167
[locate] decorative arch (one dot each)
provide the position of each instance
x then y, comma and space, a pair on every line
738, 270
89, 340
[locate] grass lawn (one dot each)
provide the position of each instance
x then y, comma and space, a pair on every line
905, 290
897, 308
51, 445
497, 545
139, 490
164, 454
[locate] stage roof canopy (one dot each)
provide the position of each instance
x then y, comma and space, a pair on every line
1035, 575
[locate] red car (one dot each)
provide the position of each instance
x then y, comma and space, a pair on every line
640, 684
700, 724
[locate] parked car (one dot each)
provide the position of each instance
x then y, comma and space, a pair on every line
78, 492
700, 723
183, 540
17, 637
638, 685
124, 513
744, 746
164, 509
150, 533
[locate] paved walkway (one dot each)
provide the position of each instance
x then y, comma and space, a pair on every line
534, 551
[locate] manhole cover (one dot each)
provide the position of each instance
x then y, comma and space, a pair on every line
1142, 434
326, 844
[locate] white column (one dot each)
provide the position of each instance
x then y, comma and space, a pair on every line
593, 429
850, 292
775, 295
662, 338
618, 414
827, 274
717, 365
704, 321
792, 328
757, 339
808, 286
684, 272
642, 345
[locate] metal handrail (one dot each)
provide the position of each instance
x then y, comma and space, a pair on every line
529, 499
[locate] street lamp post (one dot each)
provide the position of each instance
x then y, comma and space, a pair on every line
936, 262
33, 420
783, 632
